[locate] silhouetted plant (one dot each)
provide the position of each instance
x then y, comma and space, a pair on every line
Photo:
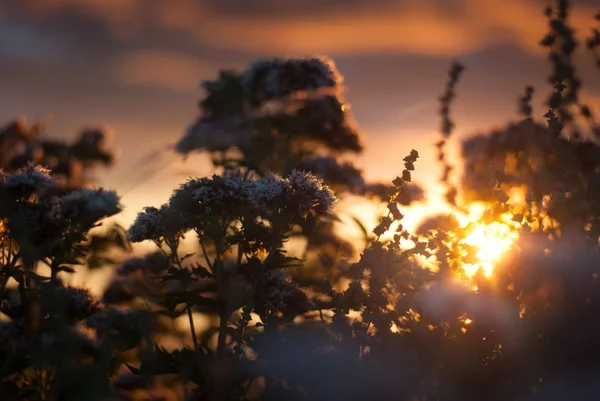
408, 321
285, 114
47, 350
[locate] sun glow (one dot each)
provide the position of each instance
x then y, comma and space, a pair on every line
489, 241
492, 241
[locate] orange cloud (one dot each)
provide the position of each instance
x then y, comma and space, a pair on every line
417, 27
166, 69
413, 29
420, 27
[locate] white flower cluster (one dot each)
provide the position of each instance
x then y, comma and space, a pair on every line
148, 224
302, 190
39, 215
232, 195
28, 180
309, 192
91, 204
269, 188
231, 189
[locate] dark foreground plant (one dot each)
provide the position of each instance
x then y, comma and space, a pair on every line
47, 348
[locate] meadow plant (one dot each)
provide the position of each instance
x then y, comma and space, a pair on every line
418, 316
49, 348
284, 114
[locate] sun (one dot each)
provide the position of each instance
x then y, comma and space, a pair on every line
492, 241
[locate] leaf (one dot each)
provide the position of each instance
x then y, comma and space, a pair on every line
133, 369
67, 269
201, 271
187, 256
278, 259
362, 228
193, 298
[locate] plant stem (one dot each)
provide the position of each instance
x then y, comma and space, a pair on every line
3, 284
205, 253
192, 327
223, 318
188, 306
11, 261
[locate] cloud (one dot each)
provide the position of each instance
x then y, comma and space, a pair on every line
171, 70
410, 27
124, 16
426, 27
23, 42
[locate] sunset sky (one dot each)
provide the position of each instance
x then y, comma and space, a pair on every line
135, 65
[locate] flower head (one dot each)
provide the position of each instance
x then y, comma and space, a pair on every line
79, 302
230, 194
126, 326
309, 194
27, 181
86, 206
37, 227
149, 224
278, 291
269, 188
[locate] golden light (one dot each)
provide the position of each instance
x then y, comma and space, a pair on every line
492, 241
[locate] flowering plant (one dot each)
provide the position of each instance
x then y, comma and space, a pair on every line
423, 315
